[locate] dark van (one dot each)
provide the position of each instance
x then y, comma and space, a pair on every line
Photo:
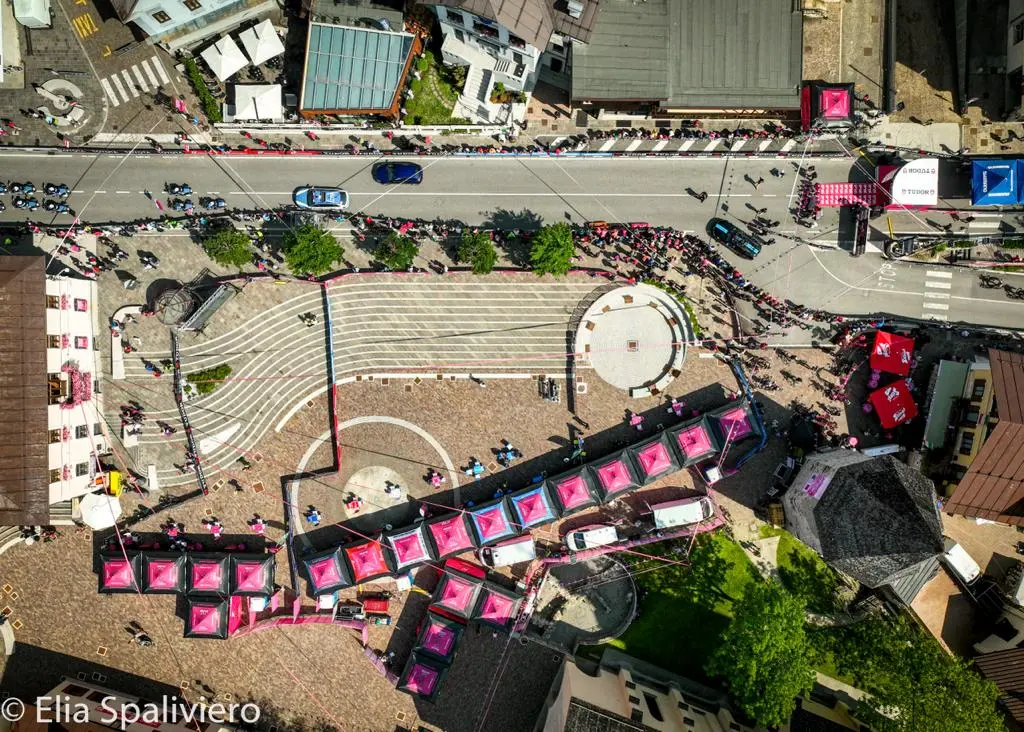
727, 233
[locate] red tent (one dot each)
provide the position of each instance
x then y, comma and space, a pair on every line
892, 353
894, 404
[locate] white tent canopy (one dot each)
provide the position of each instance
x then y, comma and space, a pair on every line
99, 511
256, 103
225, 58
261, 42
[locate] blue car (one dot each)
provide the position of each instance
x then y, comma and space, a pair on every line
320, 197
388, 173
727, 233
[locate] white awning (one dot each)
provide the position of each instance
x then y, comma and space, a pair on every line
256, 103
99, 511
261, 42
917, 183
224, 58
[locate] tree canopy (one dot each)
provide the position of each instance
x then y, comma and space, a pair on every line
229, 247
309, 250
914, 685
397, 252
552, 250
763, 656
207, 380
477, 249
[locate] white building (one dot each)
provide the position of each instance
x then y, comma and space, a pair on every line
175, 24
511, 42
75, 432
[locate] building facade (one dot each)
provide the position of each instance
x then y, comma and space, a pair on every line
176, 24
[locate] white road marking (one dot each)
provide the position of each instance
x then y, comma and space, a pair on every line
149, 72
939, 285
764, 145
138, 75
930, 316
687, 145
790, 144
129, 84
634, 145
606, 145
660, 145
738, 145
160, 69
93, 191
116, 81
712, 145
936, 295
109, 91
939, 273
936, 306
466, 194
122, 191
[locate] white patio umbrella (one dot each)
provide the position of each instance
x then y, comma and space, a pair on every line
99, 511
261, 42
224, 58
260, 102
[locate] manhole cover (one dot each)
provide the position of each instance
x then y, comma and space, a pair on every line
632, 346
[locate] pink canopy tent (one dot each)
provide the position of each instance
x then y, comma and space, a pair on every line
655, 458
615, 475
439, 637
118, 574
422, 676
252, 576
573, 492
163, 573
367, 561
497, 607
456, 594
533, 506
409, 547
208, 574
451, 534
327, 571
696, 442
207, 618
492, 522
734, 422
834, 103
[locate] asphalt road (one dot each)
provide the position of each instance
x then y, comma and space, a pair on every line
514, 193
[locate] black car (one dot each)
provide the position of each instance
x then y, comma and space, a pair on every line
727, 233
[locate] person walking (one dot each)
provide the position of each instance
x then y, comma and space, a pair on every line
703, 196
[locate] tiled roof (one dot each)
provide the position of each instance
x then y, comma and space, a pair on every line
994, 485
1005, 669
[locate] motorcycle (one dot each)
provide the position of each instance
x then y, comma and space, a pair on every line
182, 204
28, 203
212, 203
3, 188
60, 190
22, 188
179, 189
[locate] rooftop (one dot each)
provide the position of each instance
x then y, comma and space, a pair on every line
1005, 669
693, 53
993, 488
24, 461
533, 20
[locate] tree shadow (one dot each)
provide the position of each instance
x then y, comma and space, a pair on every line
516, 247
809, 579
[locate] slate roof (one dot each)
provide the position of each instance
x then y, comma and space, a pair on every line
584, 717
24, 443
993, 487
532, 20
693, 53
877, 519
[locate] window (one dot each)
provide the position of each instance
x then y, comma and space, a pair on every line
81, 341
57, 388
55, 475
73, 690
1018, 32
630, 685
637, 715
81, 431
971, 417
516, 41
460, 36
556, 65
161, 17
54, 436
688, 722
517, 58
484, 30
979, 390
455, 18
98, 696
52, 302
966, 442
81, 304
634, 700
652, 706
97, 429
82, 469
53, 341
684, 706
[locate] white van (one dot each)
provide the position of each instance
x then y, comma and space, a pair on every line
513, 551
959, 562
683, 512
591, 537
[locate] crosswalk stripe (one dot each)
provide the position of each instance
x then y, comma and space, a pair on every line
940, 285
129, 84
138, 75
939, 273
764, 145
660, 145
790, 144
687, 145
607, 145
931, 316
634, 145
160, 69
937, 295
737, 145
109, 91
116, 81
936, 306
713, 144
149, 73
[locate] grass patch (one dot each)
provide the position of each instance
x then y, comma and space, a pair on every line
682, 300
207, 380
804, 573
1012, 244
434, 94
211, 107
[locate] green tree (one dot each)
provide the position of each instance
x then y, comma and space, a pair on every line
397, 252
229, 247
552, 250
309, 250
913, 684
763, 656
477, 249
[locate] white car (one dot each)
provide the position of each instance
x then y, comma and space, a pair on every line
591, 537
959, 562
683, 512
320, 197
